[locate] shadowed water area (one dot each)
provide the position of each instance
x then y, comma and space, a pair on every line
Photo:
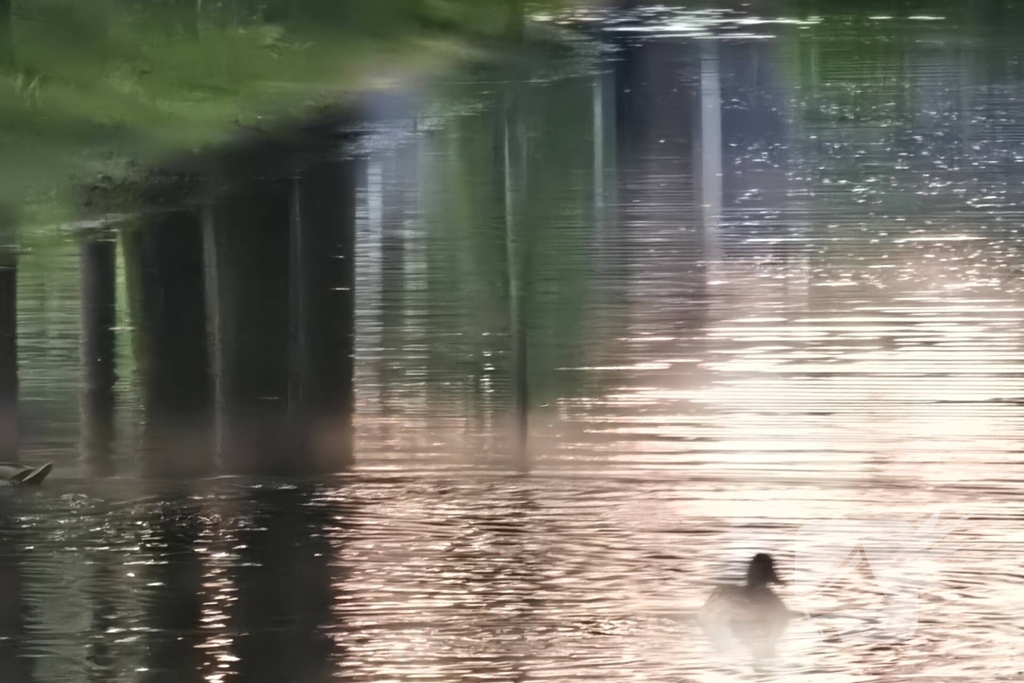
581, 333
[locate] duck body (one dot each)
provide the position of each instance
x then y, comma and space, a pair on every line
750, 615
17, 474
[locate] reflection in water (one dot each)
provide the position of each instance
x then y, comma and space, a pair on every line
164, 267
101, 657
242, 326
8, 335
322, 313
284, 613
99, 318
279, 282
514, 152
247, 244
15, 649
745, 284
175, 610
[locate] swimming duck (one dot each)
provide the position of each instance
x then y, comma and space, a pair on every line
17, 474
751, 614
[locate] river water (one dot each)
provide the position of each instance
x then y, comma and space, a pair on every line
751, 272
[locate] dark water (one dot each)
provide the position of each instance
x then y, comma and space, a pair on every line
745, 274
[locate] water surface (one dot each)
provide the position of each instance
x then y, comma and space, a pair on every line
748, 275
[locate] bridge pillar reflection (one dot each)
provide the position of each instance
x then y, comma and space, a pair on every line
285, 577
164, 268
98, 317
245, 238
8, 338
280, 267
321, 397
14, 664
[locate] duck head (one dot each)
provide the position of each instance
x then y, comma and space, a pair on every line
761, 571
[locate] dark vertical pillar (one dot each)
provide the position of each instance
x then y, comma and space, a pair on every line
280, 284
284, 592
99, 301
15, 664
164, 267
514, 244
630, 113
100, 653
246, 238
174, 611
322, 313
8, 338
214, 326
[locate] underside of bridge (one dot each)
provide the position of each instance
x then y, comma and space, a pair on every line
242, 308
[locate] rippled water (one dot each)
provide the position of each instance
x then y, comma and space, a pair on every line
768, 274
